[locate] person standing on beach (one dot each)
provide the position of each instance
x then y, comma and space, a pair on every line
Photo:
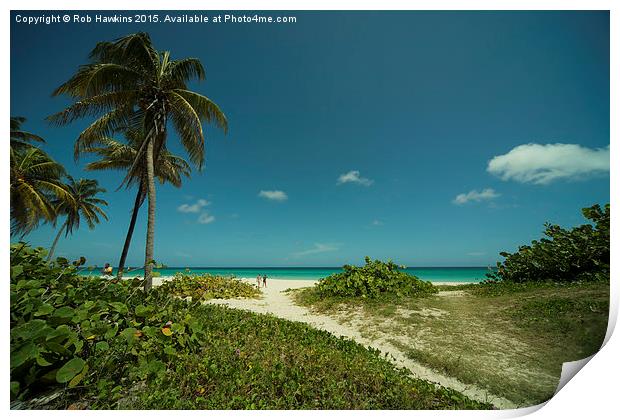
258, 281
107, 270
264, 280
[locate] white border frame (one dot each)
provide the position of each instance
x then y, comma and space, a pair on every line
592, 394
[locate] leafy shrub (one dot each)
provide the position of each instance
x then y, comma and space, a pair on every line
68, 329
578, 254
374, 279
207, 286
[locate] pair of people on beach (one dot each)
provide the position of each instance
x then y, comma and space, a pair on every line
258, 279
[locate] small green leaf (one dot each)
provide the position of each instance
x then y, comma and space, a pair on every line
129, 334
33, 284
78, 378
102, 346
120, 307
111, 332
57, 348
14, 389
69, 370
25, 353
16, 271
142, 311
44, 309
42, 362
64, 312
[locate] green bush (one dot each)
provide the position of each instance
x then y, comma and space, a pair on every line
374, 279
578, 254
67, 329
207, 286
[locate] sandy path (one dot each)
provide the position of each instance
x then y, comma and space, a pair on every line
278, 303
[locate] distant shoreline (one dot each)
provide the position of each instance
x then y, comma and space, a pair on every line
294, 283
457, 275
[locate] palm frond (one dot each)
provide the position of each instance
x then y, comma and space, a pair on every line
182, 71
97, 79
103, 127
18, 135
93, 106
205, 108
186, 122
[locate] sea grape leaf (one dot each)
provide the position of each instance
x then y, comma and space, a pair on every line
120, 307
102, 346
14, 389
16, 271
78, 378
111, 332
69, 370
44, 309
26, 352
64, 312
42, 362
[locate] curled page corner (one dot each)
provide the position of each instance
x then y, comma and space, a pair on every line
570, 369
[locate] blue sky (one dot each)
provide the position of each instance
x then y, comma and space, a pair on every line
432, 138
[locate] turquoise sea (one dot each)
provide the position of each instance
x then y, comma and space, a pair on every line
444, 274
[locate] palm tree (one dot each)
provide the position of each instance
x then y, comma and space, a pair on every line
34, 181
128, 83
21, 139
84, 204
117, 155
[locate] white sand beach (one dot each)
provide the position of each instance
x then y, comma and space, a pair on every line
277, 302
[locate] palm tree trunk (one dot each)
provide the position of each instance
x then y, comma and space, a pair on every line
53, 248
132, 225
150, 229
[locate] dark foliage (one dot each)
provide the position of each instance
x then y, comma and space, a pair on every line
578, 254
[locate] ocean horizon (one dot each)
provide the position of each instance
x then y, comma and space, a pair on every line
435, 274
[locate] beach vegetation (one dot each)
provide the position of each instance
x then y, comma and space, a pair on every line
564, 255
202, 287
84, 342
374, 279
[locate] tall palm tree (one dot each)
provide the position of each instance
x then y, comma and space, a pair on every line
84, 204
117, 155
35, 181
129, 83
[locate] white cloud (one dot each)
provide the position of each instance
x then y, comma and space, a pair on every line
275, 195
544, 163
193, 208
377, 223
205, 218
474, 195
318, 249
354, 176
